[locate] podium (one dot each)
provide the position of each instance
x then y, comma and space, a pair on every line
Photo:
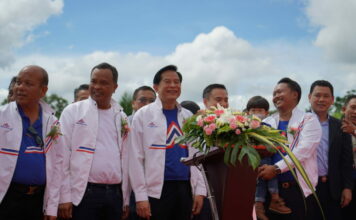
232, 187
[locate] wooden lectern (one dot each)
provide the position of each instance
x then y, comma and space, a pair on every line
232, 187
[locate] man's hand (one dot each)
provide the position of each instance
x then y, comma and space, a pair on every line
125, 212
346, 197
267, 172
65, 210
49, 217
197, 204
143, 209
348, 127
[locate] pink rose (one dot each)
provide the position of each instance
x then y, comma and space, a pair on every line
237, 131
212, 126
208, 130
200, 122
233, 125
240, 118
255, 124
219, 112
209, 118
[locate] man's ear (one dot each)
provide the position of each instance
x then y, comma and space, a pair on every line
44, 90
155, 87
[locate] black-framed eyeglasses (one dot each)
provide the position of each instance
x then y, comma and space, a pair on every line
35, 135
144, 100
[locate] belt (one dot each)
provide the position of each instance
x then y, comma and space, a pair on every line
103, 186
288, 184
323, 179
27, 189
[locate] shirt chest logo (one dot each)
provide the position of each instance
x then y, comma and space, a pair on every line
152, 125
6, 126
81, 122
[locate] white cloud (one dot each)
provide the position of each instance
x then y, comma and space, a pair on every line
337, 35
18, 19
216, 57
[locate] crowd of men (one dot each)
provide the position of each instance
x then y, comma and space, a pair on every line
95, 163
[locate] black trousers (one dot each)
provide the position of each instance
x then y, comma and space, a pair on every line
100, 202
349, 212
331, 207
175, 203
21, 203
293, 198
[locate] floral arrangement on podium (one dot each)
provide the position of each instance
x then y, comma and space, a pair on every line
239, 135
236, 132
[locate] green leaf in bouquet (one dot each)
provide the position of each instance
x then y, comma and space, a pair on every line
224, 129
234, 153
301, 170
252, 156
227, 155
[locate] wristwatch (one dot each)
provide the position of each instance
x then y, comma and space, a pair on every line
277, 169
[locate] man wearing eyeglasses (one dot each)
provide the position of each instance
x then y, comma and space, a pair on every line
30, 151
142, 96
95, 184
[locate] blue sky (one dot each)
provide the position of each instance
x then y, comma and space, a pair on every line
157, 26
248, 45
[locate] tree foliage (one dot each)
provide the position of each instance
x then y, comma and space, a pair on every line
56, 102
336, 110
125, 102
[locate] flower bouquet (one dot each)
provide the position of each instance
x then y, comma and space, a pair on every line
236, 132
239, 135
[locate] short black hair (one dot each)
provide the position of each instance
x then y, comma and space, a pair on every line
157, 78
209, 88
322, 83
115, 74
257, 102
293, 85
12, 82
134, 96
191, 106
81, 87
349, 98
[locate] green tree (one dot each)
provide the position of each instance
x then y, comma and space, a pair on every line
339, 102
56, 102
4, 102
125, 102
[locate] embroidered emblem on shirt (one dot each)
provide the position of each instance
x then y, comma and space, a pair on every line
6, 126
152, 125
81, 122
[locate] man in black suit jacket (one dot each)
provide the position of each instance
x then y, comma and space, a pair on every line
335, 183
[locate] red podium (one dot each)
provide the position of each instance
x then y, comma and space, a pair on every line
232, 187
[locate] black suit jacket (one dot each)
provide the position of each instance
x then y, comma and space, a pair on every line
340, 159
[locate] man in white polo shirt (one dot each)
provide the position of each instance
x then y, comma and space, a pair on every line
95, 170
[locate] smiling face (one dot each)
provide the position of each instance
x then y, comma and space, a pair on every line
321, 99
284, 98
101, 87
169, 88
29, 87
